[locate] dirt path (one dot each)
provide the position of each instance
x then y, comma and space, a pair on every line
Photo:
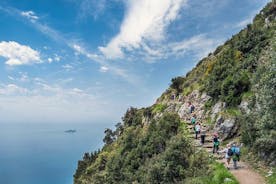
244, 174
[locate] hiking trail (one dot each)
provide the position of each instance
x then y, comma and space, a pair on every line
244, 174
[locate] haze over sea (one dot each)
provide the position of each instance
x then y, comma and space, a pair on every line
44, 153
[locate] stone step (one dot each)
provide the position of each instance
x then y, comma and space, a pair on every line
207, 145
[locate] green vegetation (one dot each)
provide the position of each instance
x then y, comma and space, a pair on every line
271, 179
217, 174
154, 153
159, 151
221, 174
259, 126
159, 108
226, 74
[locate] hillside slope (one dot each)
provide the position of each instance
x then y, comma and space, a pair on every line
233, 90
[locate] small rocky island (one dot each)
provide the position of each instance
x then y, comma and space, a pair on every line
70, 131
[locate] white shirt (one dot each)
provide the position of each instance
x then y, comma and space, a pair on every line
197, 128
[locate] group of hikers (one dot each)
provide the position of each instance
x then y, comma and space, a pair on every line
232, 151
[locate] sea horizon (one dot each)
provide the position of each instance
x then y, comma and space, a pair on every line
43, 153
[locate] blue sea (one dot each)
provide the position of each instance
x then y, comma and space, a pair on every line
44, 153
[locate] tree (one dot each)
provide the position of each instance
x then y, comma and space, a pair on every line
109, 136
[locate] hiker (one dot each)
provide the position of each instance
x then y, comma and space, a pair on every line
193, 120
202, 136
197, 129
236, 155
192, 108
173, 97
228, 155
215, 143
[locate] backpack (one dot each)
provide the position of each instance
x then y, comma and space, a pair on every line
193, 120
237, 151
230, 152
216, 141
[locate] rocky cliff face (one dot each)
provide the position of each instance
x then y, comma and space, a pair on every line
214, 118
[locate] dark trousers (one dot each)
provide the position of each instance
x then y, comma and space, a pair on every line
197, 132
202, 137
215, 148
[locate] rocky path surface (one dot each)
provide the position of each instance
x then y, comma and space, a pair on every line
244, 174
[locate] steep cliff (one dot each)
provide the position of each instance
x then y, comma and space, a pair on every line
233, 91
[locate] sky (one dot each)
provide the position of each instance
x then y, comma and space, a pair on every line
72, 61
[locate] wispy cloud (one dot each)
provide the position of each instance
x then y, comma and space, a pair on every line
199, 44
12, 89
67, 67
243, 23
18, 54
52, 103
144, 21
72, 44
104, 69
88, 8
30, 15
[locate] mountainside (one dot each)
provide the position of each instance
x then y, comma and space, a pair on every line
233, 91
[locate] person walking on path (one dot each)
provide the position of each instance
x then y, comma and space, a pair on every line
236, 155
215, 143
193, 120
191, 107
228, 155
197, 129
202, 136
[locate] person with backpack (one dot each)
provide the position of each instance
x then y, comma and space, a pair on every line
228, 155
197, 129
215, 143
236, 155
193, 120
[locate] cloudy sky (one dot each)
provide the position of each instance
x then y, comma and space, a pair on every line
89, 60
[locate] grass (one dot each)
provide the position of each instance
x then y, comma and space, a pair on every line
272, 178
159, 108
219, 175
247, 95
222, 175
231, 112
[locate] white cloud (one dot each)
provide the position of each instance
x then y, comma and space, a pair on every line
144, 21
50, 60
91, 8
24, 77
57, 58
104, 69
197, 46
30, 15
200, 45
67, 67
243, 23
59, 37
52, 103
12, 89
17, 54
11, 78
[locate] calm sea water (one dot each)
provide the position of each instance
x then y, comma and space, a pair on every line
44, 153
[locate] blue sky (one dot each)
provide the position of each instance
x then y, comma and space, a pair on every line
89, 60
